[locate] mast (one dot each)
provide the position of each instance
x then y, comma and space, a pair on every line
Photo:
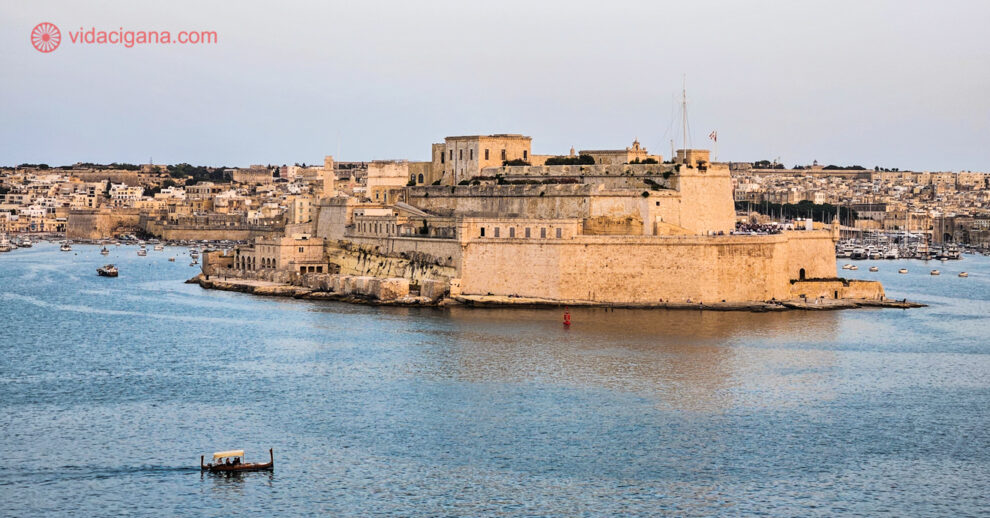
684, 111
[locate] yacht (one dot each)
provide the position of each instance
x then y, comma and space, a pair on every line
891, 253
859, 253
5, 245
26, 243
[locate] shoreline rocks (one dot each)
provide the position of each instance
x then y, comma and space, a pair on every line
396, 292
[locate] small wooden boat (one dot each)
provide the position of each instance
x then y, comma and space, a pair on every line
964, 274
874, 269
104, 251
107, 270
171, 259
234, 462
902, 270
936, 272
854, 267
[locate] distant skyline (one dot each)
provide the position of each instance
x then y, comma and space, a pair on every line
873, 83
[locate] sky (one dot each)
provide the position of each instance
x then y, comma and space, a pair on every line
901, 84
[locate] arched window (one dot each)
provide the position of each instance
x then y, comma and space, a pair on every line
801, 274
420, 177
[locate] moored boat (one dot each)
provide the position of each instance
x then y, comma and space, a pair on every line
854, 267
936, 272
142, 252
5, 245
964, 274
233, 462
104, 251
874, 269
107, 270
66, 247
902, 270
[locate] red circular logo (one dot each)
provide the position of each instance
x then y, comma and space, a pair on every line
45, 37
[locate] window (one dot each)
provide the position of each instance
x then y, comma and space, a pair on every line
442, 157
486, 154
527, 231
460, 154
512, 231
558, 233
543, 233
482, 231
451, 154
300, 249
470, 154
524, 154
421, 181
503, 154
496, 231
658, 204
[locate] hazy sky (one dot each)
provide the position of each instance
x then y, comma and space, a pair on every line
890, 83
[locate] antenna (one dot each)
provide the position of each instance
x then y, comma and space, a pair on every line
684, 110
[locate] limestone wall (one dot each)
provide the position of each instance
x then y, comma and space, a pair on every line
364, 260
837, 289
640, 269
101, 223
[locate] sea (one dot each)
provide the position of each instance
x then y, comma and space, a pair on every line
111, 389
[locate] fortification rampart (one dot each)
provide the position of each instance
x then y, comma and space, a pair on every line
101, 223
645, 269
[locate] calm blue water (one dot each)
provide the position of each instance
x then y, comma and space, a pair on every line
111, 389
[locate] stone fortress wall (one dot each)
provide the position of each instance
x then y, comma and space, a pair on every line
101, 223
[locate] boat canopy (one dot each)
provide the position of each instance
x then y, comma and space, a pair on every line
231, 453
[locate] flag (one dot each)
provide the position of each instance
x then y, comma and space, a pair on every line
713, 135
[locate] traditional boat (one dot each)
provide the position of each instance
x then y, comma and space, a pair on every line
902, 270
234, 462
142, 252
107, 270
963, 274
936, 272
874, 269
104, 251
171, 259
66, 247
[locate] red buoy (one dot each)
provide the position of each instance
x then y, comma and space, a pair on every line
567, 317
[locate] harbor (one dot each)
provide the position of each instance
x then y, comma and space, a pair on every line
463, 406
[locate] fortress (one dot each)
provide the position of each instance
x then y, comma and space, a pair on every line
589, 231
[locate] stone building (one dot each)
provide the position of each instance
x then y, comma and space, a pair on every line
602, 234
384, 175
301, 254
463, 157
634, 153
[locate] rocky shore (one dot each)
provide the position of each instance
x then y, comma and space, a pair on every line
395, 292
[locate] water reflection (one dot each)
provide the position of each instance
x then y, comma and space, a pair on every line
700, 361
